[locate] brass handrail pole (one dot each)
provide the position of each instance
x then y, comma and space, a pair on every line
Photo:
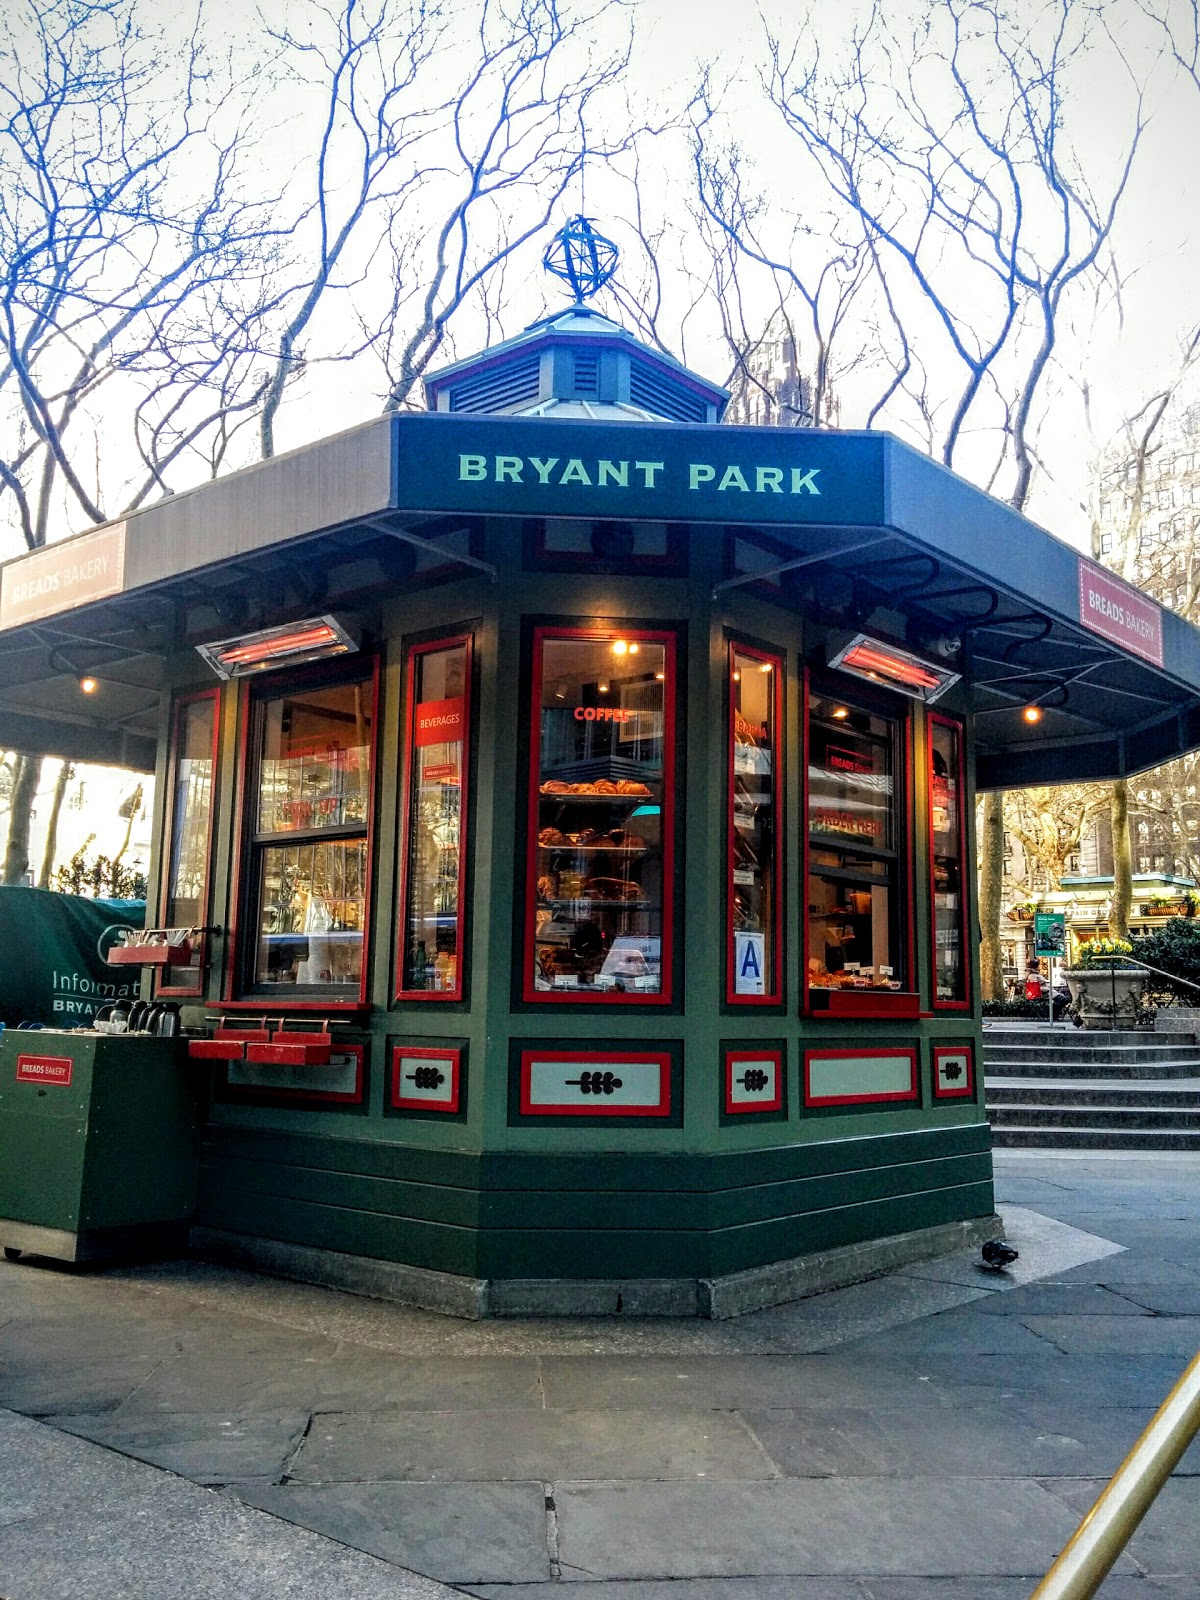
1106, 1530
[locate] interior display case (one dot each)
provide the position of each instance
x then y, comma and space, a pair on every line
192, 773
947, 860
754, 843
433, 859
600, 870
856, 956
307, 845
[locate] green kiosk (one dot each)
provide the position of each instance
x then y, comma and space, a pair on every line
565, 828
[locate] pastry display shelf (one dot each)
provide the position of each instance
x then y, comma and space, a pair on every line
604, 796
598, 849
585, 902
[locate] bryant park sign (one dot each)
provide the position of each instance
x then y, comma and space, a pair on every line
539, 467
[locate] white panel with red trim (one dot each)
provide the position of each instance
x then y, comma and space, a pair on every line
595, 1083
753, 1081
426, 1080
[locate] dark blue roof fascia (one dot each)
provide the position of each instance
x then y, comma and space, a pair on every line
783, 479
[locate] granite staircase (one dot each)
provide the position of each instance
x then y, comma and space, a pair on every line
1064, 1088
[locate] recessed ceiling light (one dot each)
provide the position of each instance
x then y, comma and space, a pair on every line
88, 685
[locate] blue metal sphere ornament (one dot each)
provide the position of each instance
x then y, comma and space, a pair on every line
581, 257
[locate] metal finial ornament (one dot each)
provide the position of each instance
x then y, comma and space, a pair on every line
581, 257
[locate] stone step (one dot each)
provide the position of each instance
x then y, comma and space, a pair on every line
1149, 1093
1066, 1033
1160, 1050
1069, 1071
1034, 1138
1097, 1118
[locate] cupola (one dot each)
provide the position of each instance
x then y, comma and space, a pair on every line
577, 363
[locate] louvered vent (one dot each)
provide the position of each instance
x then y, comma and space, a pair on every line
587, 374
655, 392
499, 387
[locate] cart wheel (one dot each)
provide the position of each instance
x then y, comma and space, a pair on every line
11, 1254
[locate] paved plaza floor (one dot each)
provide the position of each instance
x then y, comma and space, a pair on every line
185, 1429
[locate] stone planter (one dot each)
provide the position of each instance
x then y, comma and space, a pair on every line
1095, 989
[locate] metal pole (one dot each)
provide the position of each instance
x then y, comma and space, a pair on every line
1109, 1525
1112, 978
1050, 966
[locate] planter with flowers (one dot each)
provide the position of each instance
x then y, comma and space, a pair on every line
1105, 993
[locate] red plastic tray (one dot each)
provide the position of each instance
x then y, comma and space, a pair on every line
293, 1050
149, 955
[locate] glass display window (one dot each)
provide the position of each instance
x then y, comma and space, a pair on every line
433, 881
306, 872
754, 860
856, 930
600, 872
947, 865
190, 798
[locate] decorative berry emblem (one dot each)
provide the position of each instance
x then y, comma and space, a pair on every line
426, 1078
754, 1080
596, 1082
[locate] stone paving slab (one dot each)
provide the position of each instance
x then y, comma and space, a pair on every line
205, 1447
817, 1526
356, 1381
869, 1588
1168, 1300
695, 1589
78, 1521
1090, 1335
1069, 1380
1167, 1541
458, 1532
731, 1383
441, 1447
42, 1388
1053, 1298
1008, 1441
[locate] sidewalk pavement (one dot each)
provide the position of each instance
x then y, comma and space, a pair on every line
192, 1430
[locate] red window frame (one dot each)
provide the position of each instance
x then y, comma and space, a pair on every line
773, 994
162, 985
849, 1002
668, 639
958, 728
909, 1096
449, 642
313, 678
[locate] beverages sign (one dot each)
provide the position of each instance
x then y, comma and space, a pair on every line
1119, 613
439, 722
63, 576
